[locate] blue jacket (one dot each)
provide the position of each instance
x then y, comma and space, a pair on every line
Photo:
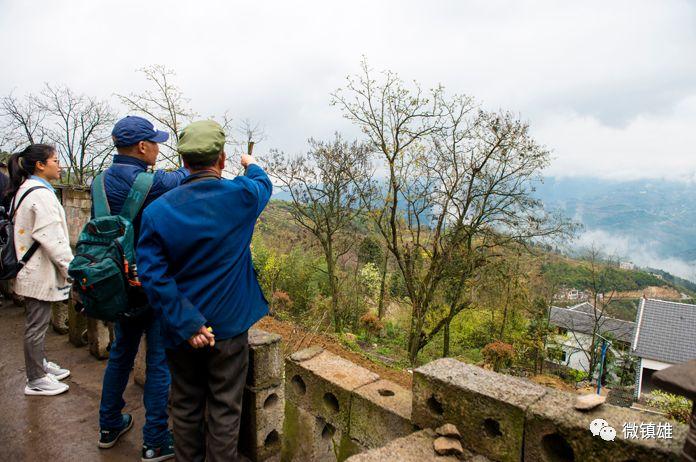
194, 258
120, 176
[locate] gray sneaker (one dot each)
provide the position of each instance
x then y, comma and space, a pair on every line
45, 386
55, 370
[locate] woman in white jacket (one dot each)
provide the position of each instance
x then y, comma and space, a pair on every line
44, 279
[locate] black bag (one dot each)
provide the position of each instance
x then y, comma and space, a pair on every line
9, 265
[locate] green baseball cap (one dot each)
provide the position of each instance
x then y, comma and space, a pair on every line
201, 141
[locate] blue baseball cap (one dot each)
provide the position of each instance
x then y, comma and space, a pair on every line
133, 129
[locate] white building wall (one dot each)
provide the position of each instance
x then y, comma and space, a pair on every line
575, 346
654, 365
650, 364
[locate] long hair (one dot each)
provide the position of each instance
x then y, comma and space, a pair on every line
23, 164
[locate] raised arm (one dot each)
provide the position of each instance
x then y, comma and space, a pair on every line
165, 181
257, 182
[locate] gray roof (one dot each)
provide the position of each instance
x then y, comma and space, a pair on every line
584, 307
666, 331
582, 318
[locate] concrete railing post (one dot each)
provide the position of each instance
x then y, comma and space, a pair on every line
263, 409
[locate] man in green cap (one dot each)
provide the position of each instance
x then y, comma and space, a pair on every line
195, 265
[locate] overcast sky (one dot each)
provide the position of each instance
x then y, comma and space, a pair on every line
609, 86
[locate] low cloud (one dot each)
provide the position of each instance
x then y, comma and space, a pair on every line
627, 248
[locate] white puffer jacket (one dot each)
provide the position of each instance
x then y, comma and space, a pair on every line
41, 217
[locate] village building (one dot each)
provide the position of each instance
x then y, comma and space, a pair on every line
665, 335
575, 326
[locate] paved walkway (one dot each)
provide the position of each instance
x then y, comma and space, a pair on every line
63, 427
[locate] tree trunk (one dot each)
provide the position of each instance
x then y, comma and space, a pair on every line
446, 339
414, 337
333, 286
501, 334
382, 286
334, 297
413, 347
446, 335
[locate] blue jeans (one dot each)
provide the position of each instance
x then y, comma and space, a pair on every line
157, 379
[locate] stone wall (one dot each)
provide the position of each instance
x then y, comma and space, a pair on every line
78, 208
336, 410
97, 334
510, 419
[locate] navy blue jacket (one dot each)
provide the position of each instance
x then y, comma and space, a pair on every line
194, 258
120, 176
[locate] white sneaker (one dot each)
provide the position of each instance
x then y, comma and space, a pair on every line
45, 386
55, 370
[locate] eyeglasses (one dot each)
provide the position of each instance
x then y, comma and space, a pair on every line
54, 159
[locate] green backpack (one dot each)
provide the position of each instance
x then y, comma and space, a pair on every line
103, 270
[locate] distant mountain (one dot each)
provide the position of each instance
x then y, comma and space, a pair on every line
649, 222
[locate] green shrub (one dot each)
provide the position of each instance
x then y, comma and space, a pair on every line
674, 406
575, 376
498, 354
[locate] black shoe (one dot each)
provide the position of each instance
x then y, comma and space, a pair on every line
159, 453
109, 437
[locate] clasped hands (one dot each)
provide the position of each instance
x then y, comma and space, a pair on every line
203, 337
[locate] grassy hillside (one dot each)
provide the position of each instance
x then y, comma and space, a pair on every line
293, 275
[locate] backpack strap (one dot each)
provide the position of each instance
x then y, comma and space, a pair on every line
36, 244
137, 195
99, 199
14, 208
32, 250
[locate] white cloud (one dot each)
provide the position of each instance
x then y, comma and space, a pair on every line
609, 86
627, 248
649, 146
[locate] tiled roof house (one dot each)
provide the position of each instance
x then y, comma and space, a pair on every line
665, 335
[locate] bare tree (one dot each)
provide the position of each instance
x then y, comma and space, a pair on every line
597, 326
22, 121
80, 126
455, 174
324, 185
165, 103
249, 132
546, 287
252, 133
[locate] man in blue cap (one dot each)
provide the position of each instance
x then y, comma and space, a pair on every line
136, 142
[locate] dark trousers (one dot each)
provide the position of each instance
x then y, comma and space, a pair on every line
118, 369
211, 378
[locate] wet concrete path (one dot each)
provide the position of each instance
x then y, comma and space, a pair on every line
63, 427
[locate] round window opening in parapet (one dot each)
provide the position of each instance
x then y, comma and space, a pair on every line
331, 402
273, 439
298, 385
557, 449
435, 406
328, 432
271, 401
492, 428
